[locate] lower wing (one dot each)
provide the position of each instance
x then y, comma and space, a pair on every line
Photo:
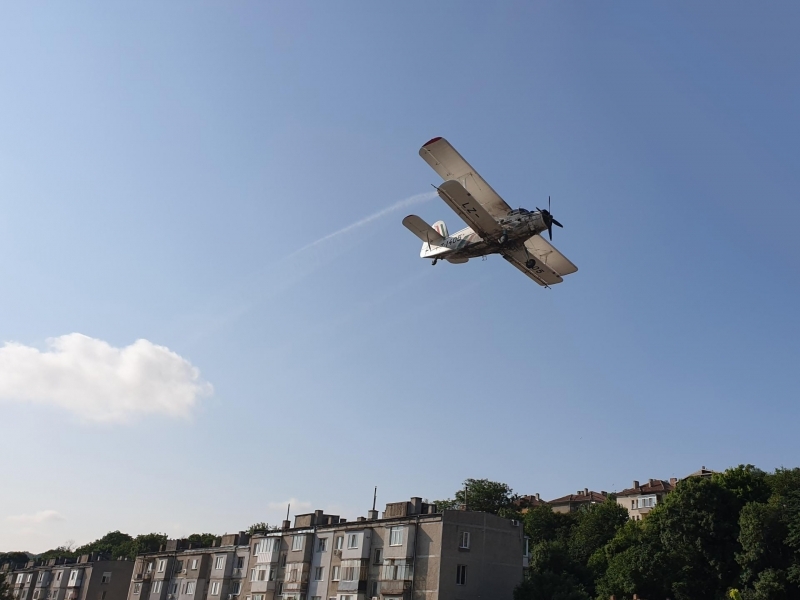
532, 267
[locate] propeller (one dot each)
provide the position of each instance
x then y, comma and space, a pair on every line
548, 219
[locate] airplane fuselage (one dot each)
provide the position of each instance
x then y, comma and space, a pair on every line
518, 226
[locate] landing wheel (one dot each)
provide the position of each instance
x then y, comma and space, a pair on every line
530, 263
503, 239
435, 260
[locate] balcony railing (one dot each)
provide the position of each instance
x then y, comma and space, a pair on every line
395, 588
396, 572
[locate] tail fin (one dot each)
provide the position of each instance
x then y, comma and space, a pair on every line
441, 228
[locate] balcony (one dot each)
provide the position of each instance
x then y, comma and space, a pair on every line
142, 576
395, 587
353, 586
295, 586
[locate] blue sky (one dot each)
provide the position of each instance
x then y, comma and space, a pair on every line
162, 164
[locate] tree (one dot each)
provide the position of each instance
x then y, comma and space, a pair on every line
202, 540
485, 496
542, 523
748, 483
596, 525
14, 558
5, 588
261, 526
551, 586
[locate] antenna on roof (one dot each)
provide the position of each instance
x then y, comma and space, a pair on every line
288, 506
374, 497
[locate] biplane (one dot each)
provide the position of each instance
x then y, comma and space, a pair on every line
493, 226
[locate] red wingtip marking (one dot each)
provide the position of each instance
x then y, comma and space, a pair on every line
436, 139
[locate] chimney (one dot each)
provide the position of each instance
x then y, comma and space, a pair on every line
537, 496
603, 493
585, 491
372, 515
361, 519
673, 481
635, 484
416, 506
285, 524
652, 482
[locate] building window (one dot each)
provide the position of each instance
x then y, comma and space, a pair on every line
162, 564
352, 540
339, 542
173, 589
297, 542
19, 578
349, 574
374, 589
150, 567
36, 593
190, 588
28, 578
396, 536
106, 577
236, 587
258, 596
319, 573
40, 576
157, 586
137, 587
633, 503
239, 562
463, 541
335, 573
179, 566
378, 558
215, 588
461, 574
322, 545
73, 576
58, 576
220, 562
646, 502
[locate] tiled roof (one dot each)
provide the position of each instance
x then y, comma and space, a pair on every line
582, 497
651, 487
703, 472
529, 501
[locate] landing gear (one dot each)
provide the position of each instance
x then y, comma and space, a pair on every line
503, 239
435, 260
530, 263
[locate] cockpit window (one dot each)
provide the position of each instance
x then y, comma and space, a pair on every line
518, 211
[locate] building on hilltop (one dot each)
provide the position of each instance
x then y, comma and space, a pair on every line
412, 552
703, 473
639, 500
523, 503
573, 502
90, 577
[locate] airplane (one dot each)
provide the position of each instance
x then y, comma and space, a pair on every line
493, 227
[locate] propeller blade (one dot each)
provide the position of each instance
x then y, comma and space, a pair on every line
550, 232
557, 223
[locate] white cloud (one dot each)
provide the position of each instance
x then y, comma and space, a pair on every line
43, 516
99, 382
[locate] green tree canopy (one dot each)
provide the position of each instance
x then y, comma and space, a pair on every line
483, 495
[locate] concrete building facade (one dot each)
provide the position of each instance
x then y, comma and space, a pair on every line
90, 577
572, 502
411, 553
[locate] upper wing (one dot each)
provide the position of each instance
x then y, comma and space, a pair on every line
465, 204
543, 251
540, 272
449, 164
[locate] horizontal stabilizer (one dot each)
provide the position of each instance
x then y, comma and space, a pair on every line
422, 230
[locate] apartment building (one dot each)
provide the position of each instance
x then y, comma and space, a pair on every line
90, 577
639, 500
572, 502
411, 553
180, 572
